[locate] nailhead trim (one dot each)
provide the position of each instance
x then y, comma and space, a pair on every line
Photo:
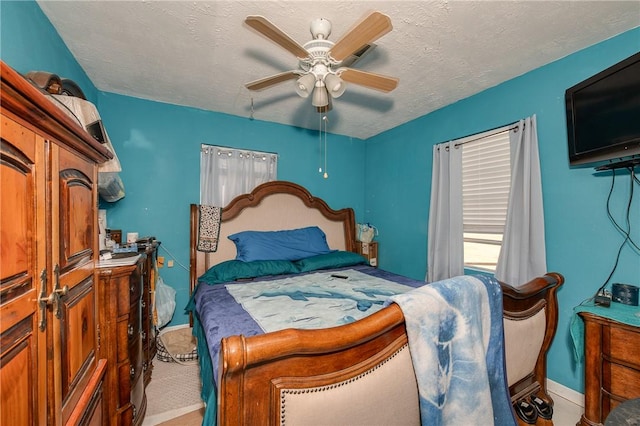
285, 392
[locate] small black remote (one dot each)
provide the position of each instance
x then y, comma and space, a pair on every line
344, 277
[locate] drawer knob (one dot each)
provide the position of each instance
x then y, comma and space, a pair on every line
132, 372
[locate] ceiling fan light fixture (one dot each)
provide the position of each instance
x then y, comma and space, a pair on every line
305, 85
320, 95
335, 85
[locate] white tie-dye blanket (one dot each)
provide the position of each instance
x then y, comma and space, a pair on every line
456, 343
317, 300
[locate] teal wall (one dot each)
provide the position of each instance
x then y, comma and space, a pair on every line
158, 145
581, 242
28, 42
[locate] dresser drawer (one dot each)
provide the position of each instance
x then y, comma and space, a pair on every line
125, 415
624, 346
135, 356
133, 325
137, 395
135, 286
621, 381
146, 311
123, 301
122, 340
124, 384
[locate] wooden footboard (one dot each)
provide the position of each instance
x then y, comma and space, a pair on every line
256, 370
258, 374
530, 319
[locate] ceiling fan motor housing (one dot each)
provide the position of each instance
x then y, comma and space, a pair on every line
320, 64
320, 28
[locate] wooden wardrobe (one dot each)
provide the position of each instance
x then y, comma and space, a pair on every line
50, 371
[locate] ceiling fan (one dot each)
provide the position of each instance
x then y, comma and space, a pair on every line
321, 72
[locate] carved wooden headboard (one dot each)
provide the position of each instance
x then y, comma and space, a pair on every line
272, 206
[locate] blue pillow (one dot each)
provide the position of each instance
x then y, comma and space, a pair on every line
231, 270
336, 259
291, 244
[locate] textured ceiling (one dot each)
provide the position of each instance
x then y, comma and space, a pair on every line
200, 54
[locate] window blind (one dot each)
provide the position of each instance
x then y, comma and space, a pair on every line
486, 179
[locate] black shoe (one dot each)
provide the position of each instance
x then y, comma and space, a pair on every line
544, 409
526, 412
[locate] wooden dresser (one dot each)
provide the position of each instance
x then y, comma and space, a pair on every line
127, 333
51, 372
149, 331
612, 366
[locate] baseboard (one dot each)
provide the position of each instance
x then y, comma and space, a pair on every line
565, 392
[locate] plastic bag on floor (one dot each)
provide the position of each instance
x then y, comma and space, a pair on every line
165, 302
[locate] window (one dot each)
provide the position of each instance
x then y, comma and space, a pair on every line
227, 172
486, 179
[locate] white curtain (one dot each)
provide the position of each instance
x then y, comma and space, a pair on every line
523, 254
226, 173
445, 245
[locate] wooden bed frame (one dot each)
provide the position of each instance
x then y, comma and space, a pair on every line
303, 376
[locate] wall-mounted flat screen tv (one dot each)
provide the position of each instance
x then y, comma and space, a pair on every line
603, 117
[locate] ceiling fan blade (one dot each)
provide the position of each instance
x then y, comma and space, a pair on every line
265, 83
371, 80
275, 34
368, 30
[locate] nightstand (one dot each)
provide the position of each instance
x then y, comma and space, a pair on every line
368, 250
612, 363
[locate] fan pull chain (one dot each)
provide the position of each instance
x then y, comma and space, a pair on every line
319, 143
326, 175
251, 116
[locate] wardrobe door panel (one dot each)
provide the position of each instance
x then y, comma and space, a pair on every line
76, 210
74, 278
22, 276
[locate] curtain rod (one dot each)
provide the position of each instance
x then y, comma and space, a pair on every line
475, 136
237, 149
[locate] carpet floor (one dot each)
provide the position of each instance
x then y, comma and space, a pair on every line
174, 391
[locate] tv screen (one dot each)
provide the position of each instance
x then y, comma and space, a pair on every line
603, 116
